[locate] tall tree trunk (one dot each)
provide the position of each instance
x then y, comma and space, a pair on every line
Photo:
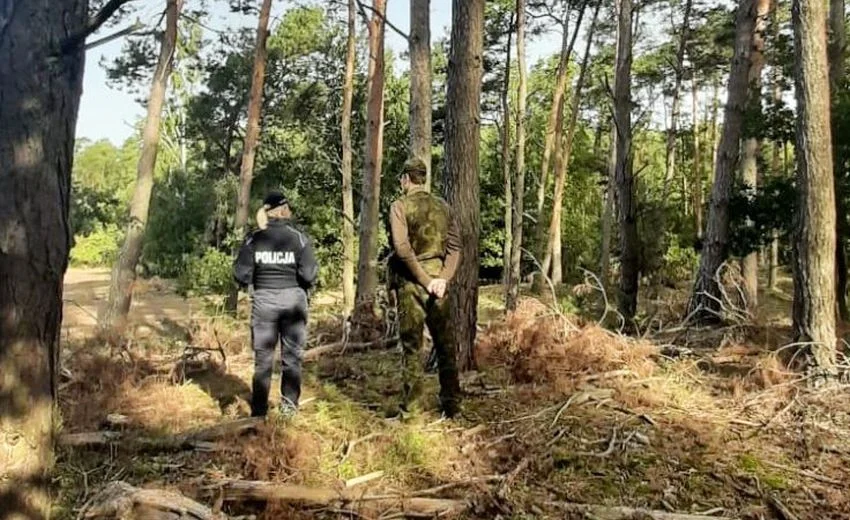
252, 135
347, 188
670, 169
420, 82
752, 146
553, 142
608, 214
367, 272
623, 174
463, 132
562, 161
814, 265
519, 186
837, 72
776, 165
40, 89
114, 314
697, 186
706, 295
506, 167
715, 135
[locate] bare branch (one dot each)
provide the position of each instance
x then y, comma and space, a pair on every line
77, 40
383, 18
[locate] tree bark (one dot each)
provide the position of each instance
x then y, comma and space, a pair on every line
348, 259
706, 296
40, 90
507, 174
252, 135
562, 162
623, 174
114, 314
518, 206
776, 165
463, 130
837, 73
367, 272
608, 215
814, 263
697, 184
420, 82
670, 168
715, 135
752, 146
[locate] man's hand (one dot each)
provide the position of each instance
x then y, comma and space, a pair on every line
437, 287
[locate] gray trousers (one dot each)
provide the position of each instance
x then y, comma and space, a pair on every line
277, 315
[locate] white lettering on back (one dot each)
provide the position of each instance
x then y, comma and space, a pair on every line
274, 257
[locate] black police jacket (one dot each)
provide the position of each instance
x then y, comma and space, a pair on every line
278, 257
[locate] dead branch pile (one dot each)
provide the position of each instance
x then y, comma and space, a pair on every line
539, 346
120, 500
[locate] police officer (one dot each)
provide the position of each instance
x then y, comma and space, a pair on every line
279, 262
426, 252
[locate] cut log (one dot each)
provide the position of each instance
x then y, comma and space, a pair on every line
201, 440
338, 348
249, 490
628, 513
121, 501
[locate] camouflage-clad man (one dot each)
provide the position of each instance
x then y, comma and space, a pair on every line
426, 248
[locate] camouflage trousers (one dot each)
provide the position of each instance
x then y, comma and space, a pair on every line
416, 309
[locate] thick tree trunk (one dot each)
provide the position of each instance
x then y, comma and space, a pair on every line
420, 82
463, 130
518, 205
837, 72
706, 295
562, 162
670, 169
114, 314
40, 91
252, 135
814, 263
623, 174
348, 258
367, 271
752, 146
507, 174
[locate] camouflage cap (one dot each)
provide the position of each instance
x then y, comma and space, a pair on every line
414, 164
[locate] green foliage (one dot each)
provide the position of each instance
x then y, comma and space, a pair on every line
209, 273
98, 248
754, 216
679, 262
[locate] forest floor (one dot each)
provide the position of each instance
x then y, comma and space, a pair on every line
564, 419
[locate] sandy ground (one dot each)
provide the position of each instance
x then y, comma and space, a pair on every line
155, 305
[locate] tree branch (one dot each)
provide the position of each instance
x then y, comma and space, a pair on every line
383, 18
133, 29
77, 40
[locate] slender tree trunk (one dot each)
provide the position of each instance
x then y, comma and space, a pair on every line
420, 82
670, 169
776, 159
623, 174
715, 135
367, 273
463, 132
697, 187
608, 214
114, 314
348, 259
752, 146
40, 91
553, 142
252, 136
814, 265
507, 175
706, 295
837, 72
562, 161
519, 185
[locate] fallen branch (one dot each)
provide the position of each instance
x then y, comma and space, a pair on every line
805, 473
340, 347
248, 490
781, 509
375, 475
201, 440
627, 513
121, 500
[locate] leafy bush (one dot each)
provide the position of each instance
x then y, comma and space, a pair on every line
680, 263
209, 273
99, 248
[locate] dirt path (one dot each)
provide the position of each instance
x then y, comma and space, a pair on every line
155, 304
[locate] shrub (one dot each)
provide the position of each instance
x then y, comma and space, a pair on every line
209, 273
99, 248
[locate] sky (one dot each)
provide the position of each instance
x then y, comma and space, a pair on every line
107, 113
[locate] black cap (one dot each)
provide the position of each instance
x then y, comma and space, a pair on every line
274, 200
